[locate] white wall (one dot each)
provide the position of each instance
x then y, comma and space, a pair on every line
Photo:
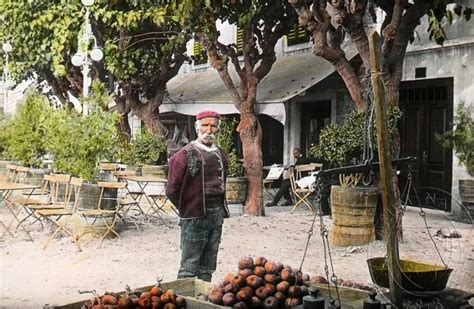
452, 60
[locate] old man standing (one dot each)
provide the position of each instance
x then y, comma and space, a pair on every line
196, 186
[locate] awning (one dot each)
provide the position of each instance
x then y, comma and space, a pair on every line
289, 76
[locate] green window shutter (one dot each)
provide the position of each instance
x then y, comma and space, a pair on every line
297, 35
199, 53
240, 41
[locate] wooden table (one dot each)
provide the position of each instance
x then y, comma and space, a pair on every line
7, 188
155, 204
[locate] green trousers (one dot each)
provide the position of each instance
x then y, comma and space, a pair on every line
200, 240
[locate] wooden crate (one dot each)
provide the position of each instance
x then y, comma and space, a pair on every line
191, 289
188, 288
350, 298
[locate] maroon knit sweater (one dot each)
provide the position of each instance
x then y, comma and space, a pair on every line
185, 187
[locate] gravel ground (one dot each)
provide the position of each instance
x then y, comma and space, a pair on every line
31, 277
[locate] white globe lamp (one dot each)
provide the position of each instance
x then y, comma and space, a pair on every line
7, 47
77, 60
97, 54
87, 2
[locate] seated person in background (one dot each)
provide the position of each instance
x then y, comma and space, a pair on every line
285, 184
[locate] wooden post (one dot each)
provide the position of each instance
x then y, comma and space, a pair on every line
388, 195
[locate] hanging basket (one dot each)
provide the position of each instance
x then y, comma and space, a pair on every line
416, 276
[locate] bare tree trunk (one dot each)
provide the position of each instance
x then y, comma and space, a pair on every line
352, 82
392, 93
123, 110
150, 115
251, 136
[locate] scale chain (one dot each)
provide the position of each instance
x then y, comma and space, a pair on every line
318, 188
411, 187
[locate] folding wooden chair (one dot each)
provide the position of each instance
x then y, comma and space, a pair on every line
301, 194
48, 197
306, 169
15, 174
131, 196
105, 215
59, 217
108, 166
11, 172
21, 172
158, 201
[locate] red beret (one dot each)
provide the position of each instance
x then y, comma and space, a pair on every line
207, 114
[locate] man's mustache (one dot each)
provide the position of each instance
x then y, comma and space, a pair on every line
208, 136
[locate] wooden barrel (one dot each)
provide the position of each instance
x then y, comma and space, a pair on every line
35, 176
236, 190
88, 200
466, 192
353, 211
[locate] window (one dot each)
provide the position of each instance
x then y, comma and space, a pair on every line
199, 52
297, 35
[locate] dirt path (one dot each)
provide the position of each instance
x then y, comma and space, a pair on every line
31, 277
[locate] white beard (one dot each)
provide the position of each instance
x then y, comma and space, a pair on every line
207, 137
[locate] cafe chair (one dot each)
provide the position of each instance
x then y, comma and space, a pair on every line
16, 173
99, 221
130, 198
301, 195
307, 169
274, 173
60, 218
47, 198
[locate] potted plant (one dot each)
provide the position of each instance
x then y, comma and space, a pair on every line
146, 151
22, 137
236, 187
352, 206
461, 139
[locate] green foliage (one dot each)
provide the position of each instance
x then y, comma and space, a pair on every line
144, 148
22, 137
225, 139
79, 143
139, 38
340, 143
461, 138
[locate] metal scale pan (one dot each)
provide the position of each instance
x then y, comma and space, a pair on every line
416, 276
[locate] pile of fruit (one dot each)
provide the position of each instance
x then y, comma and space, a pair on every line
341, 282
155, 298
261, 284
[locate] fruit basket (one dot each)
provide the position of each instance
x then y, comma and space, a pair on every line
190, 289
